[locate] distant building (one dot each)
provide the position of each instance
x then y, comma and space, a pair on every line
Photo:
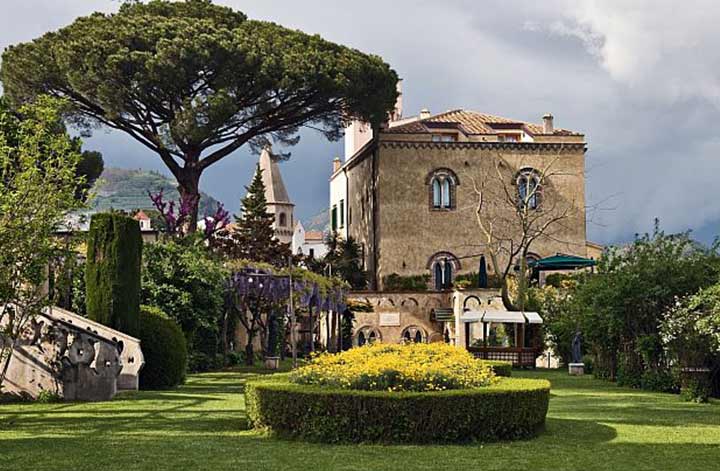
144, 220
310, 243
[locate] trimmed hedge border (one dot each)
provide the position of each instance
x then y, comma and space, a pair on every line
501, 368
511, 409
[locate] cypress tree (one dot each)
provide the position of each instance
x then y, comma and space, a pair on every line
112, 273
253, 238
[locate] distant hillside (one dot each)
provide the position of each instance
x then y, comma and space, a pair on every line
319, 222
125, 190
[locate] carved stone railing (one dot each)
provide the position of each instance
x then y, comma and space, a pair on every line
73, 357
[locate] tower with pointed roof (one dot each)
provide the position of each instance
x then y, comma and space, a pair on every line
278, 201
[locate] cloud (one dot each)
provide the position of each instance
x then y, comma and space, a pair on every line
639, 77
663, 49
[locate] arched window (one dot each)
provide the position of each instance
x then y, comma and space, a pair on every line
367, 335
443, 266
414, 334
283, 220
442, 183
529, 188
437, 193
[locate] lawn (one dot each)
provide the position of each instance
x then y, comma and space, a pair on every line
591, 425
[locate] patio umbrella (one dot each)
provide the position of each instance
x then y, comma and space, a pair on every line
482, 273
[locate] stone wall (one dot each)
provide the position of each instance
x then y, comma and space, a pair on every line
397, 312
410, 232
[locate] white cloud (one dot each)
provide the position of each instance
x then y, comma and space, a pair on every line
663, 49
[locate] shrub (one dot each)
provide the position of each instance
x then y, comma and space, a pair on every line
493, 280
410, 367
395, 282
500, 368
163, 346
112, 272
509, 409
186, 283
696, 385
661, 380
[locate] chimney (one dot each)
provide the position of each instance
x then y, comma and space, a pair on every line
398, 111
337, 163
424, 113
548, 124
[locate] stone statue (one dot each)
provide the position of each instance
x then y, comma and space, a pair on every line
577, 348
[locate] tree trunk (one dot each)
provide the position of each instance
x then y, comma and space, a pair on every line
225, 334
505, 291
250, 350
189, 188
312, 331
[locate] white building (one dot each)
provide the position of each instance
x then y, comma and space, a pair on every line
310, 243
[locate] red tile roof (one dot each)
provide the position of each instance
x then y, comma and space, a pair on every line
471, 122
314, 235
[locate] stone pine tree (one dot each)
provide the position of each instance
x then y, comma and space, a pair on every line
112, 273
253, 237
194, 82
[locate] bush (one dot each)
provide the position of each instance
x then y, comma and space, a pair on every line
164, 348
112, 272
696, 385
660, 380
510, 409
410, 367
186, 283
395, 282
500, 368
493, 280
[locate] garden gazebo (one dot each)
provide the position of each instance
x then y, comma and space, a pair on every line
480, 328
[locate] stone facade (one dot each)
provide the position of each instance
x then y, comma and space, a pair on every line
278, 200
389, 196
399, 316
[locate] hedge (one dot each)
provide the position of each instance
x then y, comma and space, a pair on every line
501, 368
164, 348
112, 272
511, 409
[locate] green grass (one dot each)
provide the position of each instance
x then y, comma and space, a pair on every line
591, 425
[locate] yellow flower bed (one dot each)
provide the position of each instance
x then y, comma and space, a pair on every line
388, 367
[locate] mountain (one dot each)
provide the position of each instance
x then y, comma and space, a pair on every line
126, 190
319, 222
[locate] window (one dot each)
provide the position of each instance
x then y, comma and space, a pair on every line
367, 335
283, 220
414, 334
529, 189
342, 213
312, 253
442, 183
443, 266
333, 219
444, 138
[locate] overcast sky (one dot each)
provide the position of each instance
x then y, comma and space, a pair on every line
640, 78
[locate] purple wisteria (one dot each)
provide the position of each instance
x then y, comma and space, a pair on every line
176, 221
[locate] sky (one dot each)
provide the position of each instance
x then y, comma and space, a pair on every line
641, 79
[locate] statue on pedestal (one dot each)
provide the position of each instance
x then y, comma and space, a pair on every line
577, 347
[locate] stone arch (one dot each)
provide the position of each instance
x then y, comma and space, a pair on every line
410, 302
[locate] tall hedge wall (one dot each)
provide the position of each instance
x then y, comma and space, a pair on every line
511, 409
112, 272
